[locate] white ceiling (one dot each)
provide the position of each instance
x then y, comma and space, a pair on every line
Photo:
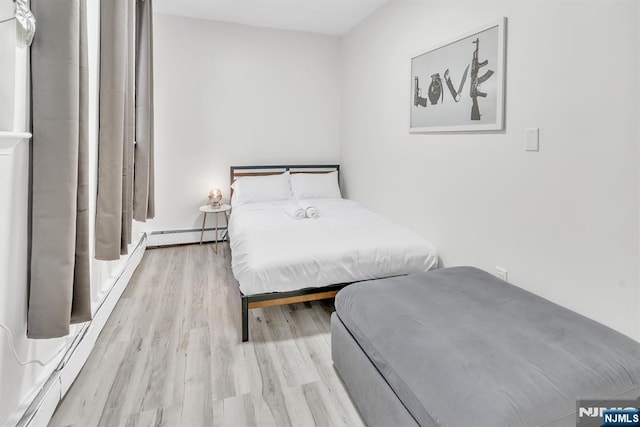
318, 16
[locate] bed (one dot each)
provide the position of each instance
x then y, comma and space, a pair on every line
278, 260
457, 346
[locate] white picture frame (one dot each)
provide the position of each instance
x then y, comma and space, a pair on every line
446, 98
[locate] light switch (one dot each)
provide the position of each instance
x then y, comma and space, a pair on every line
533, 141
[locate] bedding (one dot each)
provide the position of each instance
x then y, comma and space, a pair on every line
255, 189
315, 186
271, 252
459, 347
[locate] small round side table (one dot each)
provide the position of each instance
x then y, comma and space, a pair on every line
207, 209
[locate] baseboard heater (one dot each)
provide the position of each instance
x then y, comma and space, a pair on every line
184, 236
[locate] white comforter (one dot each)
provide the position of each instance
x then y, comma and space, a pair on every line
271, 252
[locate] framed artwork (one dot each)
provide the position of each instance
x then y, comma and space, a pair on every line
458, 86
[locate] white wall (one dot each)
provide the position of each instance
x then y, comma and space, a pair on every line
7, 67
18, 385
229, 94
13, 87
564, 221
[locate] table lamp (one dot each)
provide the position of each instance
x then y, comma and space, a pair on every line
215, 195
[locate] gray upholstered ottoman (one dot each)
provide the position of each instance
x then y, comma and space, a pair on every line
459, 347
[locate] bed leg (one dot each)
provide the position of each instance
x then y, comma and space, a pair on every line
245, 319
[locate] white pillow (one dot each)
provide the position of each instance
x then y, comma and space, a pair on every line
315, 185
254, 189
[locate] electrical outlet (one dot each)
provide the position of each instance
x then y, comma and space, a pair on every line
502, 274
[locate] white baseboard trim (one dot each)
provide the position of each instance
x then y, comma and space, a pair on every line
44, 404
181, 237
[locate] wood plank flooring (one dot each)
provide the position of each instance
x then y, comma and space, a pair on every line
170, 355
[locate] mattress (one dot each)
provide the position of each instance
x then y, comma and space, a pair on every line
272, 252
460, 347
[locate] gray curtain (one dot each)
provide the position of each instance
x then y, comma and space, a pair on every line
126, 113
114, 210
59, 292
143, 196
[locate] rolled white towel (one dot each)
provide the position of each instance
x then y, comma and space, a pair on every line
295, 211
309, 210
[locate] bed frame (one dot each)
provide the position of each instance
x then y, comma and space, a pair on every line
281, 298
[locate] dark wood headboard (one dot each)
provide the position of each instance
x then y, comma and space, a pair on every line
236, 172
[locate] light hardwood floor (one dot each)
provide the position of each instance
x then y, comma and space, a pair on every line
170, 355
